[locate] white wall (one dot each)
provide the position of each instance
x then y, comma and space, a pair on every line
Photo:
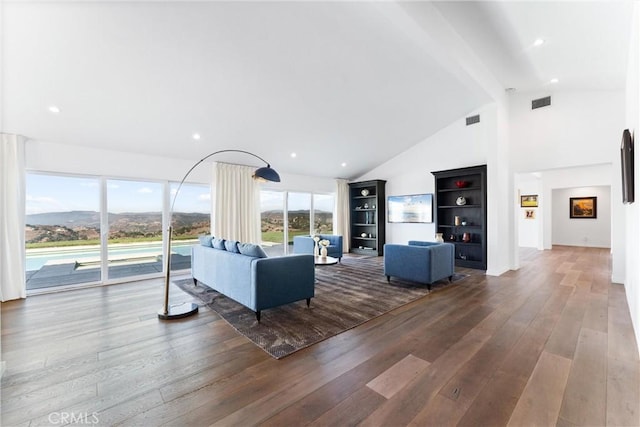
579, 177
631, 217
588, 232
455, 146
71, 159
577, 129
68, 159
529, 229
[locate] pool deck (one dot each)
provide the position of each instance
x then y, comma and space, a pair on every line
73, 273
49, 276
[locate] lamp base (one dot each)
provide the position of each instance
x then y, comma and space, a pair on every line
178, 311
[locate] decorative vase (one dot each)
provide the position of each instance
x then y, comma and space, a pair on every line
323, 252
316, 250
456, 220
461, 201
365, 192
466, 237
439, 238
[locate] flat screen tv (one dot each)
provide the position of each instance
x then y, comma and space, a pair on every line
626, 159
410, 208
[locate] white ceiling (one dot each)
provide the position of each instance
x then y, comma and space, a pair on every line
354, 82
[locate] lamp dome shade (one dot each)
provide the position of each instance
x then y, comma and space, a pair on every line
265, 173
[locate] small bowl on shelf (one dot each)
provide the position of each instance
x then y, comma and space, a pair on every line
462, 184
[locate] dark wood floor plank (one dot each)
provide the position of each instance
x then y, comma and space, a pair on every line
539, 404
355, 408
496, 352
585, 397
564, 338
623, 365
494, 404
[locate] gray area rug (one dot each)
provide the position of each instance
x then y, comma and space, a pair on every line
347, 295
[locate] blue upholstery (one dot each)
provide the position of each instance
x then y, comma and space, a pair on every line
256, 283
306, 244
422, 262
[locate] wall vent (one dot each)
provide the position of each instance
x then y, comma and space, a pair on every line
473, 119
541, 102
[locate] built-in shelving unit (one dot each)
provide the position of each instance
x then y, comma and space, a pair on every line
470, 239
367, 208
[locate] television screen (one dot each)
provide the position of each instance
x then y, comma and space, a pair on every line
411, 208
626, 159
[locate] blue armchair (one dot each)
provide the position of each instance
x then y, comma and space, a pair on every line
306, 244
422, 262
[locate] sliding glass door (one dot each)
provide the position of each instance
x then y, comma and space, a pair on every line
323, 205
287, 214
62, 232
191, 218
134, 243
298, 216
272, 222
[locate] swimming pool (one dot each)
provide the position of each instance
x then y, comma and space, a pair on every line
36, 258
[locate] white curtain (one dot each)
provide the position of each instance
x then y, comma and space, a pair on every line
237, 204
343, 225
12, 219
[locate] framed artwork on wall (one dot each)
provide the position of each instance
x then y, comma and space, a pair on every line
529, 201
583, 207
530, 214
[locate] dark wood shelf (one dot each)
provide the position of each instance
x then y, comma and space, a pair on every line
471, 254
445, 190
371, 219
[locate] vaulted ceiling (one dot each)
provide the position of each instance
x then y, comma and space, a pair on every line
334, 82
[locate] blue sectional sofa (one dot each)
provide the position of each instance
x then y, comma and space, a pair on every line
243, 273
306, 245
422, 262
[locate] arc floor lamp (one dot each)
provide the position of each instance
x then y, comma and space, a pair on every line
263, 174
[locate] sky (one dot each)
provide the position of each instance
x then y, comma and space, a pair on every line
51, 193
54, 193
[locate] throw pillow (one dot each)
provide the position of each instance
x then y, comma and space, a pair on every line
231, 246
218, 244
249, 249
205, 240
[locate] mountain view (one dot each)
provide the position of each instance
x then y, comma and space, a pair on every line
272, 224
85, 226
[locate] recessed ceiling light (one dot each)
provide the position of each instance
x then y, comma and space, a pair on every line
343, 164
538, 42
293, 155
554, 80
54, 109
196, 136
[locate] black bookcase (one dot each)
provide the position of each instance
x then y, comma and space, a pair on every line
367, 209
461, 213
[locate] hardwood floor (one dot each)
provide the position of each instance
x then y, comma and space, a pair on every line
549, 344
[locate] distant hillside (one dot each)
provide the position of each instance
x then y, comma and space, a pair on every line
85, 225
72, 218
273, 220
